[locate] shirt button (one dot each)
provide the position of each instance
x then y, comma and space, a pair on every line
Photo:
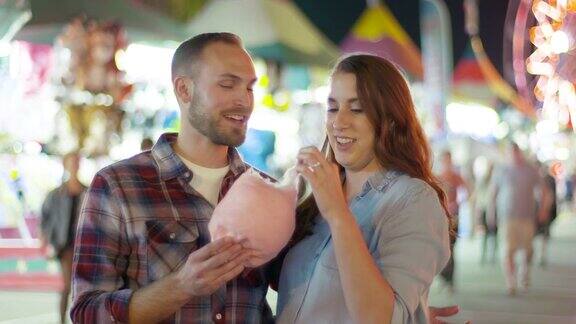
218, 316
172, 236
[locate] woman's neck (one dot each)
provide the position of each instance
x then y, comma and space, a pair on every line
355, 180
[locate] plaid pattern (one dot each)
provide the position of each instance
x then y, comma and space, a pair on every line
139, 222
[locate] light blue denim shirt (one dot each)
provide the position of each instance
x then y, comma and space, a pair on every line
406, 231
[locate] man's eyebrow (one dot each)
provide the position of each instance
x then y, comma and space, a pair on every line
230, 76
236, 78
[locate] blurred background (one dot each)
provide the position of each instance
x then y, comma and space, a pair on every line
94, 77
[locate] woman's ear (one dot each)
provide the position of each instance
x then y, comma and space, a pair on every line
184, 89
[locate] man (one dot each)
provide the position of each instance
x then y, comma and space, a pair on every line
58, 222
142, 250
514, 191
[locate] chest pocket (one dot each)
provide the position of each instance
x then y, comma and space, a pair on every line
168, 246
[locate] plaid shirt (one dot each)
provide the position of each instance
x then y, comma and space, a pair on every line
139, 222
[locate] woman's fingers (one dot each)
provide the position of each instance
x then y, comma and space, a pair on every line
312, 156
307, 172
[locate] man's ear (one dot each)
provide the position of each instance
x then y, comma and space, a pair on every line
184, 89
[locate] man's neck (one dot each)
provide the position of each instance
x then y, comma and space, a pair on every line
74, 186
200, 150
518, 162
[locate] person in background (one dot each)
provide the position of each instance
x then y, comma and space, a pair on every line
514, 191
58, 222
451, 182
543, 227
489, 229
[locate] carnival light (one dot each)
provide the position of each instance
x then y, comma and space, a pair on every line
562, 153
472, 119
502, 130
552, 39
4, 48
560, 42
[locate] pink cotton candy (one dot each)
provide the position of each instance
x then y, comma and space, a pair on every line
259, 211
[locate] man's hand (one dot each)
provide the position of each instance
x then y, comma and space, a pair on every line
205, 270
47, 249
212, 266
442, 312
543, 217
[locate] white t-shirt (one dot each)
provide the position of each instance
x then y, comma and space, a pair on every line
206, 181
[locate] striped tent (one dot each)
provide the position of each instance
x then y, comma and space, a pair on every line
378, 32
468, 82
271, 29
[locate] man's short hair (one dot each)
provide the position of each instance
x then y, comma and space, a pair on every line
189, 52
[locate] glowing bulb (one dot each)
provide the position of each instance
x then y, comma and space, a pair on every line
4, 48
540, 68
547, 127
560, 42
120, 58
562, 153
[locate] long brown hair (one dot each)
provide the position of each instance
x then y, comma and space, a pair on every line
400, 143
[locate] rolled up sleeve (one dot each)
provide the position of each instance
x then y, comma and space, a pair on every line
100, 293
413, 247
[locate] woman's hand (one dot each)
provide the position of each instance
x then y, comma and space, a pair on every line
324, 178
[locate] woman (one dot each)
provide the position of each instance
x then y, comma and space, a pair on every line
377, 218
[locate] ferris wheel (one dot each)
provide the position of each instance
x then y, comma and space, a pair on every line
544, 57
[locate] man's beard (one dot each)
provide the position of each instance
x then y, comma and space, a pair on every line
209, 126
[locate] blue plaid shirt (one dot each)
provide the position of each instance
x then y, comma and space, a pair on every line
139, 222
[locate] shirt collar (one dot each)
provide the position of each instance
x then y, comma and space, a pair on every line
171, 166
380, 180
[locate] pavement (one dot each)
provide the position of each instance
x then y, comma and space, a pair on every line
481, 293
